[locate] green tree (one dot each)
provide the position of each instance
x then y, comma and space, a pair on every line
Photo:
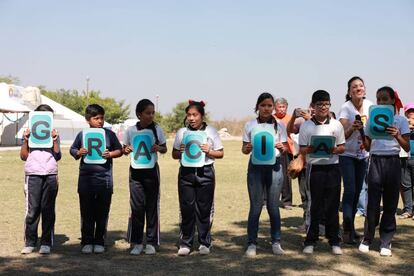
9, 79
175, 120
158, 118
115, 112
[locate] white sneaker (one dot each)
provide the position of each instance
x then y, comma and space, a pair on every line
137, 249
277, 249
204, 250
251, 251
183, 251
87, 249
27, 250
308, 249
336, 250
385, 252
150, 250
363, 248
44, 249
98, 249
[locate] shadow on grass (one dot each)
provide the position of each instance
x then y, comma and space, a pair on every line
226, 257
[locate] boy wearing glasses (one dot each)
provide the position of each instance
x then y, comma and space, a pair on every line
324, 179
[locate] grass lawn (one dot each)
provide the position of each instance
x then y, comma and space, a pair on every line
229, 230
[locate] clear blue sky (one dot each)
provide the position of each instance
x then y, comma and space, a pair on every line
225, 52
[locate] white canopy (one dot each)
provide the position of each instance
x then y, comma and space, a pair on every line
8, 105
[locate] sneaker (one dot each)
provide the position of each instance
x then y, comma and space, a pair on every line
359, 214
251, 251
385, 252
183, 251
27, 250
87, 249
150, 250
98, 249
44, 249
277, 249
363, 248
336, 250
204, 250
137, 249
308, 249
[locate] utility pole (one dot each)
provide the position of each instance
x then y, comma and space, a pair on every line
87, 89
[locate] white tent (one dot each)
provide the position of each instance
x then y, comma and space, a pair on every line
17, 99
13, 115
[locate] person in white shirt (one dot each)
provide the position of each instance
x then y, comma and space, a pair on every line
324, 173
196, 185
384, 176
264, 179
354, 161
144, 185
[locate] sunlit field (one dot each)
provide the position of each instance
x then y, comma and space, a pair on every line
229, 230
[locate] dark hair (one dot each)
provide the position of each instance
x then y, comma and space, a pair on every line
93, 110
351, 80
261, 98
389, 90
197, 105
333, 115
142, 105
320, 95
44, 107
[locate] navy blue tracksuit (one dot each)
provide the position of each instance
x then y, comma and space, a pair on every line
95, 188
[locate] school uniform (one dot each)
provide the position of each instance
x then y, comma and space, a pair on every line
95, 188
144, 191
196, 193
40, 188
324, 180
384, 178
264, 180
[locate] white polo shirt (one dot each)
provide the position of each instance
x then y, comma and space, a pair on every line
354, 146
213, 140
281, 134
333, 128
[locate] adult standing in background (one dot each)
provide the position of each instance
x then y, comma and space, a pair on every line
299, 116
281, 107
353, 115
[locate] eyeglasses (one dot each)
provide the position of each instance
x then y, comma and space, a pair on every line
323, 105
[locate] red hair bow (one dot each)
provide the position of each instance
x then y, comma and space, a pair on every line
398, 103
191, 102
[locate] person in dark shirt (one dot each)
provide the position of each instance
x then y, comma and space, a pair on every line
95, 183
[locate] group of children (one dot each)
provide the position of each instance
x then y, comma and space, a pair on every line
95, 185
196, 186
